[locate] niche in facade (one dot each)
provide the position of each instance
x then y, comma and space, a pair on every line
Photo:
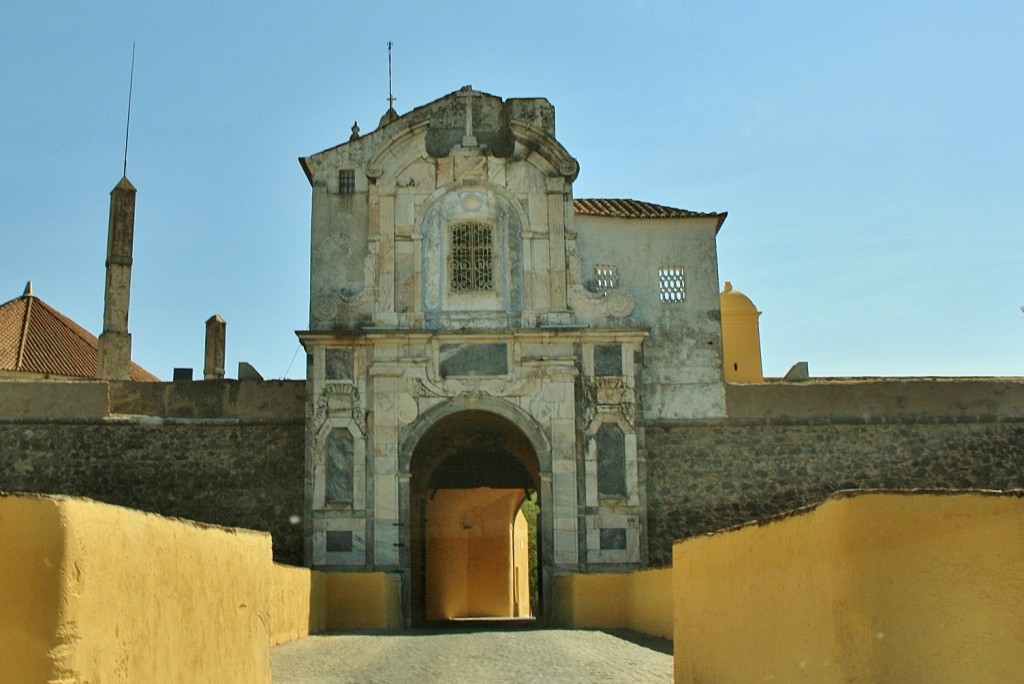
472, 260
339, 450
611, 461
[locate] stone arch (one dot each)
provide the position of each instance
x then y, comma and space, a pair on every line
433, 463
521, 419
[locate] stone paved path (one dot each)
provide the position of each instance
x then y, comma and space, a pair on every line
426, 656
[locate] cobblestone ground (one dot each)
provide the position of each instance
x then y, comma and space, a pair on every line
426, 656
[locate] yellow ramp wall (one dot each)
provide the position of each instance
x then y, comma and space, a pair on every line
298, 603
130, 597
650, 602
31, 560
641, 601
878, 587
369, 600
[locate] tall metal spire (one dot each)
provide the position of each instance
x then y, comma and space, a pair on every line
128, 121
391, 97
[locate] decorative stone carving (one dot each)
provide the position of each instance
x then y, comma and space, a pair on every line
569, 168
608, 393
408, 410
619, 303
493, 387
327, 307
615, 303
339, 400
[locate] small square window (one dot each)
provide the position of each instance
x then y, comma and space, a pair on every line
346, 181
606, 277
671, 284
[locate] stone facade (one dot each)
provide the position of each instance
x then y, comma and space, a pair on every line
450, 274
472, 325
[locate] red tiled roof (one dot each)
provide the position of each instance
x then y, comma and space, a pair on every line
627, 208
36, 338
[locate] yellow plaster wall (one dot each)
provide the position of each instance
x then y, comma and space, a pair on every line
521, 566
640, 601
879, 587
298, 605
592, 601
31, 560
470, 556
367, 600
139, 598
650, 602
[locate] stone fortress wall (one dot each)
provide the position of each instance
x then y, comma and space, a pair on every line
788, 445
222, 452
231, 453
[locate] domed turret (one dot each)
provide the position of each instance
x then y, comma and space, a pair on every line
741, 337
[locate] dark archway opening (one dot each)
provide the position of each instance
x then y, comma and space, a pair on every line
469, 476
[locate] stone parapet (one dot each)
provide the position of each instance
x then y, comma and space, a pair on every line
278, 400
878, 399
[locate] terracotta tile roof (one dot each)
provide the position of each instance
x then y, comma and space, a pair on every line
627, 208
36, 338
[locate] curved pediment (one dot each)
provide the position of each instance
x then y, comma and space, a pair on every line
513, 129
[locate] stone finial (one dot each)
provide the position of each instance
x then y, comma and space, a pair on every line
246, 371
355, 131
28, 290
389, 116
798, 372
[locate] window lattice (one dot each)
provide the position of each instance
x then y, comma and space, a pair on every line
471, 260
672, 285
346, 181
606, 277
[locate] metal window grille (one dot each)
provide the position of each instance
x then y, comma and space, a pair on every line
606, 277
471, 259
672, 284
346, 181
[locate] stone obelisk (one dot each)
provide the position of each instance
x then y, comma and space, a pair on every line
216, 333
115, 350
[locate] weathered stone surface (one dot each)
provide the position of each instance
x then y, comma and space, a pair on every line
703, 477
246, 475
474, 359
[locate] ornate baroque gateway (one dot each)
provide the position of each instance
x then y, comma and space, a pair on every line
472, 327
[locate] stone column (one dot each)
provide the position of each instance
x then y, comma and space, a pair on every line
115, 348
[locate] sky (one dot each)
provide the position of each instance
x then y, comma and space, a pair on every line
870, 155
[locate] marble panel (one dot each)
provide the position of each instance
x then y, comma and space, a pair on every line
385, 542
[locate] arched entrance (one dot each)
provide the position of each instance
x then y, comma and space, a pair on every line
469, 473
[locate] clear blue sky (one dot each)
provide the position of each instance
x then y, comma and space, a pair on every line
870, 155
